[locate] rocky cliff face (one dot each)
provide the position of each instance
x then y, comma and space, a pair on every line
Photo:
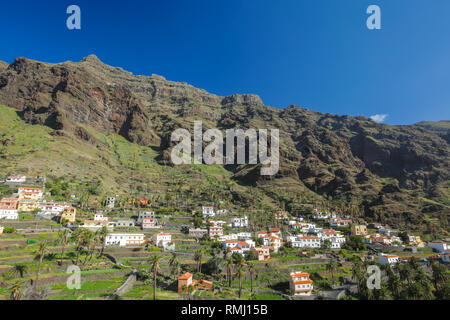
384, 170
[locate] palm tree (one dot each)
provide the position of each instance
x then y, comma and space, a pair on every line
230, 264
241, 267
78, 238
103, 233
20, 269
63, 238
43, 248
16, 291
251, 270
174, 264
332, 267
155, 269
89, 242
198, 256
358, 273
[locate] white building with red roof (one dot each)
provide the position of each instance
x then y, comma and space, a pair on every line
387, 258
300, 284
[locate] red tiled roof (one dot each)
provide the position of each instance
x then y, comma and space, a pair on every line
185, 276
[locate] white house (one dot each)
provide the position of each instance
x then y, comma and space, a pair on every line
387, 258
208, 211
226, 237
124, 239
198, 233
215, 231
228, 244
300, 284
239, 222
145, 214
339, 222
272, 241
337, 241
305, 242
110, 202
162, 239
16, 179
149, 223
100, 217
244, 235
439, 246
52, 209
36, 191
9, 214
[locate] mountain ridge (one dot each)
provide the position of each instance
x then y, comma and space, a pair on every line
383, 170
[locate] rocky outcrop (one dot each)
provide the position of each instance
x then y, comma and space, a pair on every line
384, 169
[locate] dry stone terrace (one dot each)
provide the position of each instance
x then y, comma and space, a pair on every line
320, 243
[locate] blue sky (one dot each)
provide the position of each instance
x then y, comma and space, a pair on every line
317, 54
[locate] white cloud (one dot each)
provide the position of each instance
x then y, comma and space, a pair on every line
379, 117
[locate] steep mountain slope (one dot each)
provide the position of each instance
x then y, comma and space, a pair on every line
395, 174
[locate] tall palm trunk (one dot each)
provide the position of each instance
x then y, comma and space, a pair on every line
38, 272
154, 285
62, 253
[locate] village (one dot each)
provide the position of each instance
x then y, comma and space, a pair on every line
206, 253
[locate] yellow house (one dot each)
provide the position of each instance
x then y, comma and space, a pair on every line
94, 223
69, 214
27, 205
1, 230
29, 196
359, 230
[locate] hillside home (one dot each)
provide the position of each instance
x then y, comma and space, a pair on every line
29, 196
272, 241
145, 214
198, 232
239, 222
282, 215
358, 230
162, 239
415, 241
37, 191
339, 222
438, 246
11, 203
8, 214
300, 284
149, 223
184, 281
69, 214
215, 231
387, 258
16, 179
1, 229
52, 209
261, 234
276, 232
124, 223
208, 211
263, 253
100, 217
110, 202
306, 242
28, 205
125, 239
